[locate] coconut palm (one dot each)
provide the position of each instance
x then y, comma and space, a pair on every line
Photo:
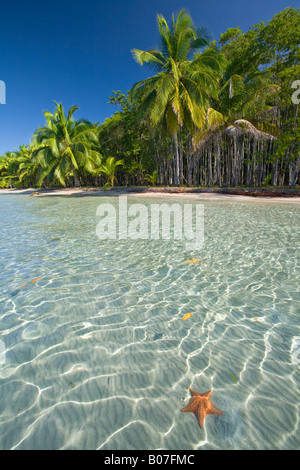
108, 168
4, 164
180, 92
66, 146
28, 168
8, 169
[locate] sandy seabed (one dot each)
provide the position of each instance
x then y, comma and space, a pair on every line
97, 355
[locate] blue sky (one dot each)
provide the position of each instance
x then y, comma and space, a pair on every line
78, 52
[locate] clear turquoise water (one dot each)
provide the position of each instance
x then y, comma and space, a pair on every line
97, 355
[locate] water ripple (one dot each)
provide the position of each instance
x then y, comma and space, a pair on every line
97, 355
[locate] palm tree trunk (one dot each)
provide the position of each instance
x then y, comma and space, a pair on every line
76, 180
249, 164
189, 160
235, 161
209, 176
222, 164
176, 159
216, 179
241, 178
293, 173
181, 171
254, 162
228, 160
275, 172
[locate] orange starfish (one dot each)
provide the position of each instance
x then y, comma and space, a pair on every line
201, 406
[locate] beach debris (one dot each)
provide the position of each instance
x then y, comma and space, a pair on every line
15, 292
192, 260
23, 285
34, 280
261, 319
186, 316
233, 378
201, 406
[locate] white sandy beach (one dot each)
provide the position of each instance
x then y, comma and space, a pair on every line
147, 193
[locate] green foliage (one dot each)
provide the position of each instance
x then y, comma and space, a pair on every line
5, 182
231, 33
65, 147
152, 178
108, 168
186, 79
180, 91
201, 95
128, 137
281, 37
267, 180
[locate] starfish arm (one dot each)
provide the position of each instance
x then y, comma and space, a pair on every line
194, 393
191, 407
213, 410
206, 394
200, 414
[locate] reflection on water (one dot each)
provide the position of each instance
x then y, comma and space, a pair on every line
97, 355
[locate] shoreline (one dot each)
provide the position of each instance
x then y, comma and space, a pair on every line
265, 195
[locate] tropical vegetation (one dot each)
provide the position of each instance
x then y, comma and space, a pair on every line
212, 113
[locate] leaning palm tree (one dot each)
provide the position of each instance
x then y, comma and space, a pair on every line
180, 92
108, 168
66, 146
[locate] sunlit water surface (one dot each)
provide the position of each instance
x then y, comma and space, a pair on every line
96, 355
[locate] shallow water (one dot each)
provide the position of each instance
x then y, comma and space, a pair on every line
95, 354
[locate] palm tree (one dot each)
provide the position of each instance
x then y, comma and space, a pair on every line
28, 168
152, 178
108, 168
8, 169
136, 170
66, 146
180, 92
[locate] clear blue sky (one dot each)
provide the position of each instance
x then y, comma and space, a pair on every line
77, 51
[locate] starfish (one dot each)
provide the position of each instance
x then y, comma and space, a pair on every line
201, 406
